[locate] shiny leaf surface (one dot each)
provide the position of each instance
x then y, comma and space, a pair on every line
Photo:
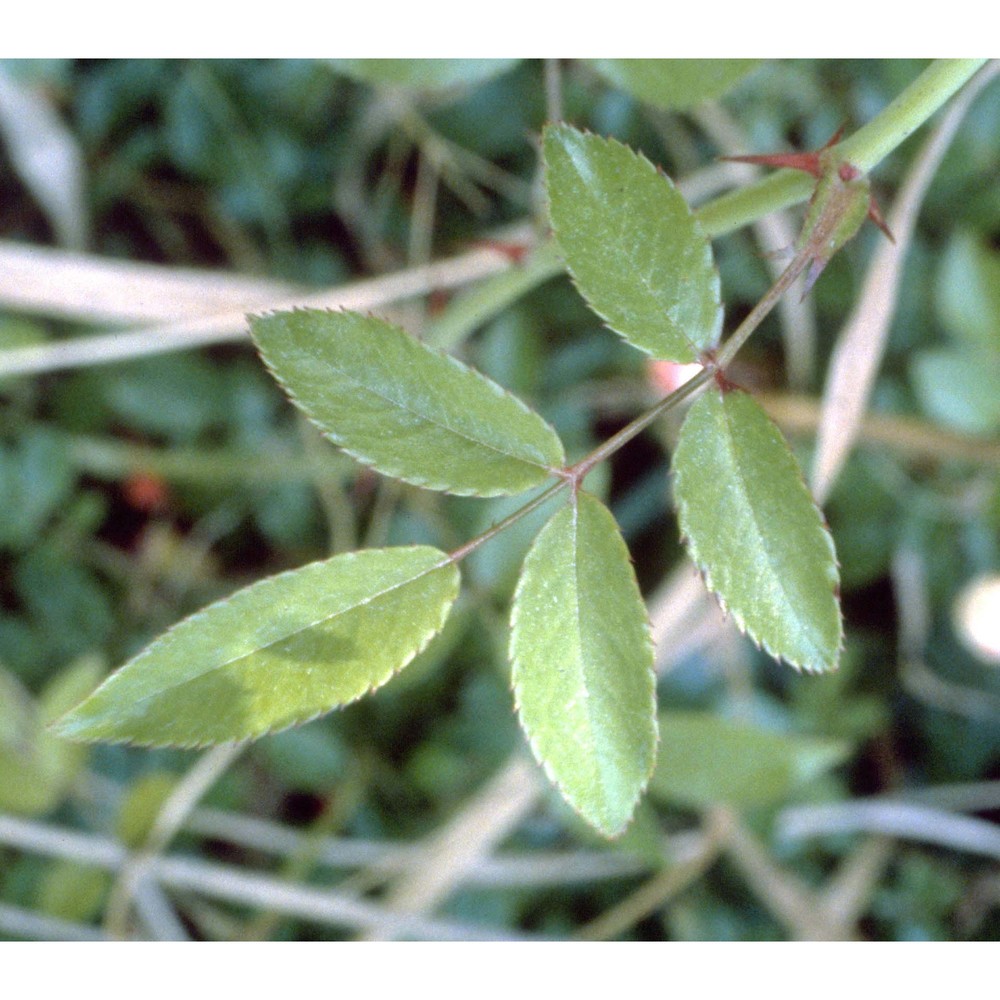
583, 664
407, 410
637, 254
277, 653
755, 532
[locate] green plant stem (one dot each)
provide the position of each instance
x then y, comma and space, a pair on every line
756, 315
865, 148
904, 115
457, 555
695, 385
690, 388
575, 474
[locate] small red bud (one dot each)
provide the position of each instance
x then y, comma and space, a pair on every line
145, 492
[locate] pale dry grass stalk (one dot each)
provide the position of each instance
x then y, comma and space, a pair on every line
909, 437
793, 904
442, 863
688, 858
235, 885
861, 343
893, 818
133, 877
231, 325
89, 289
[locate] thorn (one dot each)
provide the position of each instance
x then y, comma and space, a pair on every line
809, 162
835, 138
875, 214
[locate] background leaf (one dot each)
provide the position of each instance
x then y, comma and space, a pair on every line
36, 769
422, 74
140, 807
755, 532
36, 477
632, 245
23, 788
71, 891
960, 387
583, 664
409, 411
276, 653
967, 291
705, 759
675, 84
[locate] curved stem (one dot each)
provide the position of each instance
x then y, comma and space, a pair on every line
865, 148
889, 129
574, 475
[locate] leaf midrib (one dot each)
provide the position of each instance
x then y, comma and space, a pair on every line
741, 478
578, 620
284, 638
444, 426
654, 299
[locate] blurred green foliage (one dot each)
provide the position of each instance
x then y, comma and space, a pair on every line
135, 493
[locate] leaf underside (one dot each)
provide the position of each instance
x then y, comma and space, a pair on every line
705, 759
277, 653
635, 251
583, 664
675, 83
403, 408
755, 532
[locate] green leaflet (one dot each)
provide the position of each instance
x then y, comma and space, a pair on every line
422, 74
755, 532
674, 83
704, 760
632, 245
277, 653
407, 410
583, 664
